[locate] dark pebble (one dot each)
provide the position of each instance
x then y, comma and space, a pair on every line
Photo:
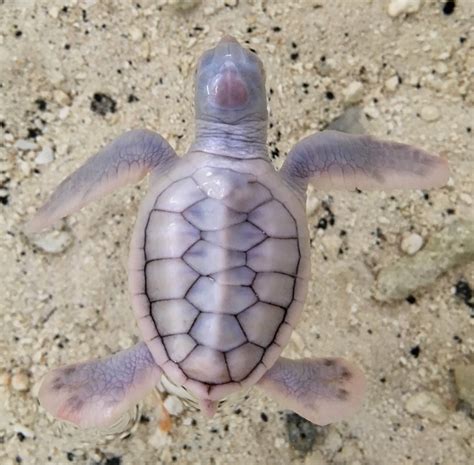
464, 292
113, 461
301, 433
415, 351
103, 104
448, 7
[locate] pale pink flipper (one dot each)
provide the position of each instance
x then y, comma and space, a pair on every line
125, 160
335, 160
95, 394
321, 390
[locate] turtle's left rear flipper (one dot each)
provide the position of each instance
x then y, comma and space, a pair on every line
321, 390
97, 393
125, 160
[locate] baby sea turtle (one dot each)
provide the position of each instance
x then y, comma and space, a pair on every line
220, 258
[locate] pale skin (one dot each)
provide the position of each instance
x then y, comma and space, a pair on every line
231, 122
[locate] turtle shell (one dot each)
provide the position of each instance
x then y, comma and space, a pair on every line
219, 270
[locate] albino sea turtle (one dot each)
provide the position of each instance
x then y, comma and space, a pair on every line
220, 258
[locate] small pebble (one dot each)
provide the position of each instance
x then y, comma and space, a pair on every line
312, 205
184, 5
398, 7
23, 144
429, 113
391, 84
464, 379
173, 405
427, 405
135, 34
354, 92
5, 378
411, 243
53, 242
349, 121
45, 156
466, 198
333, 441
315, 458
61, 98
20, 381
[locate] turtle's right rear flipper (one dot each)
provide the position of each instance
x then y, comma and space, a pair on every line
97, 393
125, 160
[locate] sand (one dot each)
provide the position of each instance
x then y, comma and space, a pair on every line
75, 74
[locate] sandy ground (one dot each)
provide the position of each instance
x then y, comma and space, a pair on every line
74, 74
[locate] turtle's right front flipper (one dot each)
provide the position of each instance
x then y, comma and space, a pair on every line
127, 159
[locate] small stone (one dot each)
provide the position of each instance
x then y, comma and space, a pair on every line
53, 242
135, 33
53, 12
5, 378
411, 243
312, 205
20, 381
398, 7
315, 458
159, 439
63, 113
45, 156
333, 441
427, 405
466, 198
348, 122
184, 5
391, 84
23, 144
429, 113
173, 405
61, 98
464, 379
354, 92
332, 244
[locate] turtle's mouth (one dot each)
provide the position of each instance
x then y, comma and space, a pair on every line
227, 89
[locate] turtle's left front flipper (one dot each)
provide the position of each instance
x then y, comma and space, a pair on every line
97, 393
125, 160
336, 160
321, 390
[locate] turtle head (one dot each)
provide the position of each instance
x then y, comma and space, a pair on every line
230, 85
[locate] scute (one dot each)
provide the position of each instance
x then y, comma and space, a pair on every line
242, 236
207, 258
274, 219
209, 296
206, 365
173, 316
260, 322
218, 331
275, 255
243, 360
179, 196
161, 282
162, 228
179, 346
211, 214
